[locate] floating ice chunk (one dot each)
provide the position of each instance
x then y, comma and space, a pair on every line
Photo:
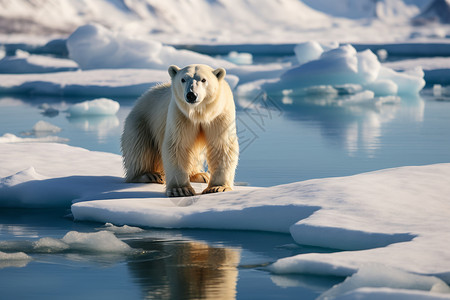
338, 66
343, 66
50, 245
307, 51
382, 87
407, 82
239, 58
121, 229
381, 276
13, 256
102, 241
101, 106
42, 126
16, 259
11, 138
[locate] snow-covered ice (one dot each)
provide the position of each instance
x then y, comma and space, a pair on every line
383, 219
89, 83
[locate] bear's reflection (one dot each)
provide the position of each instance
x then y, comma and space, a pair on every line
186, 270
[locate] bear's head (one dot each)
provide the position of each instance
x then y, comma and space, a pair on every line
196, 90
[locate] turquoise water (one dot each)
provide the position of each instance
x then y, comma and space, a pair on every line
280, 143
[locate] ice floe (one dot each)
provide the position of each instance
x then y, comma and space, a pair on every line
388, 217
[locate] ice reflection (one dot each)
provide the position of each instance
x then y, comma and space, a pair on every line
191, 270
102, 125
352, 122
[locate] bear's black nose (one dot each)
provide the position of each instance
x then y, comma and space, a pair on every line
191, 97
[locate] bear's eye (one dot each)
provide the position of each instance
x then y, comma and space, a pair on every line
203, 80
183, 80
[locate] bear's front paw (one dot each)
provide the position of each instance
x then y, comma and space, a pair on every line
180, 191
216, 189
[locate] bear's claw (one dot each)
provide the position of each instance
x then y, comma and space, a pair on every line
216, 189
180, 192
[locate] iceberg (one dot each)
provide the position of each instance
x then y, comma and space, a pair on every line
93, 46
337, 67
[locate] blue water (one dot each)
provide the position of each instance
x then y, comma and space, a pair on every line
280, 144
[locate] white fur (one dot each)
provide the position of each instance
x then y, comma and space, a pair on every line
167, 135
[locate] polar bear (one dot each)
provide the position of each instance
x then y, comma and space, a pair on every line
175, 125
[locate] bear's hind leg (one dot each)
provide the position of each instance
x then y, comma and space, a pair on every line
152, 177
201, 177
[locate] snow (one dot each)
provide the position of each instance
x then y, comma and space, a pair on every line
96, 107
379, 218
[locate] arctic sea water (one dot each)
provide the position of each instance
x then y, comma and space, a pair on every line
286, 141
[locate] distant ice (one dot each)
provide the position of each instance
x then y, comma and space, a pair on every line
93, 46
96, 107
89, 83
328, 71
239, 58
23, 62
308, 51
11, 138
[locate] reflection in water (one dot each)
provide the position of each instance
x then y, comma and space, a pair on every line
352, 122
102, 125
191, 270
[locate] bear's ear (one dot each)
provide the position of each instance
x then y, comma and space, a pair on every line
220, 73
173, 70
